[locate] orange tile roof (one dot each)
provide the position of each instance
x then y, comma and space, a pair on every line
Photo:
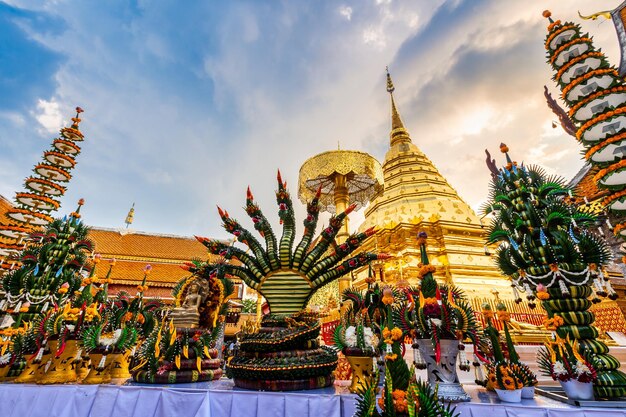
5, 205
131, 272
146, 246
586, 186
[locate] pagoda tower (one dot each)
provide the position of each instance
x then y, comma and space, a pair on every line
41, 196
418, 198
595, 94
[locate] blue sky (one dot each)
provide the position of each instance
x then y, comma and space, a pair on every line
187, 103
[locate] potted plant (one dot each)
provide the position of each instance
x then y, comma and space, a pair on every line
439, 322
505, 382
354, 337
497, 356
559, 359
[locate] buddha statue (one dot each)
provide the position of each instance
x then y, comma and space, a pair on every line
188, 315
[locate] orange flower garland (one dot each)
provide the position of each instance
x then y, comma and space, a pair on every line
60, 155
604, 143
38, 197
552, 35
554, 25
45, 183
575, 60
31, 213
63, 172
543, 295
567, 45
65, 143
619, 228
589, 99
553, 323
614, 196
400, 403
14, 228
585, 77
387, 296
503, 315
425, 269
603, 172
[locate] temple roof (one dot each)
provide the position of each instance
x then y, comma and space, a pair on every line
133, 250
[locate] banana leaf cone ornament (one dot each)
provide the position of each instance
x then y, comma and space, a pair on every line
285, 354
61, 369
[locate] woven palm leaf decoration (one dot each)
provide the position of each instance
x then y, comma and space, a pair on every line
286, 277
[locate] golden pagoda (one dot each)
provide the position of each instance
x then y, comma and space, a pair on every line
418, 198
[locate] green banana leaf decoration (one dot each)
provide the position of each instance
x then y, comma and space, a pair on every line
285, 277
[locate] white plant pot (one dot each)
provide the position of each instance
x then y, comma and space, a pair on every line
528, 393
509, 395
576, 390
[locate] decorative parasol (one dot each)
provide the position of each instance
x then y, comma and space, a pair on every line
345, 177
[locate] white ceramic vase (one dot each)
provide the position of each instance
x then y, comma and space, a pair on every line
509, 395
528, 393
576, 390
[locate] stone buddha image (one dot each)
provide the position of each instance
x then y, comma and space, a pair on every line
188, 314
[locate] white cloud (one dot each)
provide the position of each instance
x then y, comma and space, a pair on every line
48, 114
182, 120
346, 12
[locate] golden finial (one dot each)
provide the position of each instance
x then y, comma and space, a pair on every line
606, 14
130, 216
398, 132
390, 87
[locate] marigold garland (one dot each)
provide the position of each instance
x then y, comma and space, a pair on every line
543, 295
614, 167
504, 315
598, 119
67, 143
44, 182
553, 35
586, 76
14, 228
567, 45
603, 144
619, 228
71, 131
567, 66
38, 197
614, 196
594, 96
554, 25
426, 269
31, 213
63, 172
60, 155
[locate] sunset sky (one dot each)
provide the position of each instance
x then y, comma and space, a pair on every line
188, 103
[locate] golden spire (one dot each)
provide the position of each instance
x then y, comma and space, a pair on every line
130, 216
398, 133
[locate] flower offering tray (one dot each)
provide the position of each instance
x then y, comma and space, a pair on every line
555, 392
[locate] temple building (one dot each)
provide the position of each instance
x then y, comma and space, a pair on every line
418, 198
133, 250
